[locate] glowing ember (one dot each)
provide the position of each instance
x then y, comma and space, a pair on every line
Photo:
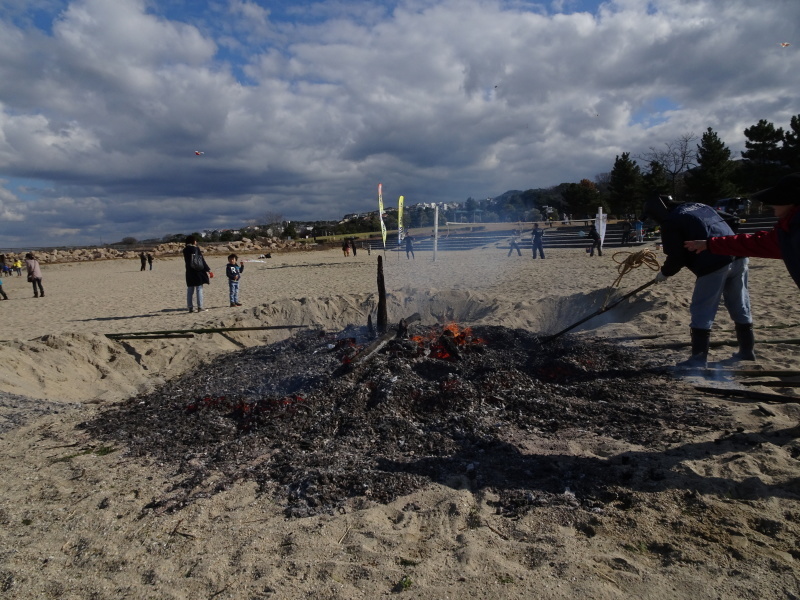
447, 343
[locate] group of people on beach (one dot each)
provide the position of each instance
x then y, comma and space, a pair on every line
146, 259
698, 237
198, 274
34, 274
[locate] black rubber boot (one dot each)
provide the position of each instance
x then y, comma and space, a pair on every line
701, 340
747, 341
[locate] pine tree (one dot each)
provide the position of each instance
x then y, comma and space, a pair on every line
763, 154
625, 186
713, 177
657, 180
790, 152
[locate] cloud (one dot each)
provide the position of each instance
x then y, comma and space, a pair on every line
303, 109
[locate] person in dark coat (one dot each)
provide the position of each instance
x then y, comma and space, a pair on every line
195, 278
536, 240
718, 276
597, 242
410, 247
150, 261
626, 233
143, 260
783, 241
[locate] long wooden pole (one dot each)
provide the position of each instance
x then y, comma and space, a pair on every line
114, 336
601, 311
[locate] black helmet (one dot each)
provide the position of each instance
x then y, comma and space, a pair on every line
657, 207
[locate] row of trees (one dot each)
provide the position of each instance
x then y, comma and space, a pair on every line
683, 168
706, 172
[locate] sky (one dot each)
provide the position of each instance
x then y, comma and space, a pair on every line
302, 108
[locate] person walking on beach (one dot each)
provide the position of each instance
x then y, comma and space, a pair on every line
150, 260
198, 273
410, 247
536, 240
18, 267
345, 247
234, 272
34, 274
783, 241
143, 259
514, 245
718, 276
353, 246
594, 235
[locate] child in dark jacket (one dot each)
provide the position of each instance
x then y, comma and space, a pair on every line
234, 272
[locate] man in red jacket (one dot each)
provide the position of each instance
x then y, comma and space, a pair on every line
783, 241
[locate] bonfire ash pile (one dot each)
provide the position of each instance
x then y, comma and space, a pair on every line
325, 422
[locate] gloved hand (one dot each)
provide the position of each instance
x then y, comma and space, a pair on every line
660, 277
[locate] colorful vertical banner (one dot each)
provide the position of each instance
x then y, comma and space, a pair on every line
401, 230
380, 214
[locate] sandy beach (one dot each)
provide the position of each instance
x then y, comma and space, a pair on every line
721, 523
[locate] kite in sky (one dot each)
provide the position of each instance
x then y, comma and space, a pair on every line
785, 44
198, 153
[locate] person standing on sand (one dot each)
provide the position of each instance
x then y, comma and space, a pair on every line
143, 259
410, 247
514, 245
198, 273
718, 276
150, 260
638, 227
18, 267
234, 272
594, 235
34, 274
783, 241
536, 240
626, 233
2, 293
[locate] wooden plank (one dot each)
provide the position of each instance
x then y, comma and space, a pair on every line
748, 394
132, 334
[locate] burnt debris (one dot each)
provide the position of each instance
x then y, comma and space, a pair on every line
320, 429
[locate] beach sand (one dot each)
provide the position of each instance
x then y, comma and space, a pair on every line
720, 523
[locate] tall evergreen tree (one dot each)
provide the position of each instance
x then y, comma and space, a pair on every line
790, 152
656, 180
763, 154
625, 195
713, 177
582, 198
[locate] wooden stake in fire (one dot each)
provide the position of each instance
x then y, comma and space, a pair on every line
382, 317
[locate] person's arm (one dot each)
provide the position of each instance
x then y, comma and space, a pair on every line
763, 244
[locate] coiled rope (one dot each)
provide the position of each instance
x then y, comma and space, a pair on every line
632, 261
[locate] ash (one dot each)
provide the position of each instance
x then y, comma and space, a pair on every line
321, 429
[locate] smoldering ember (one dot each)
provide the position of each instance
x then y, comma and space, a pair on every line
325, 423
